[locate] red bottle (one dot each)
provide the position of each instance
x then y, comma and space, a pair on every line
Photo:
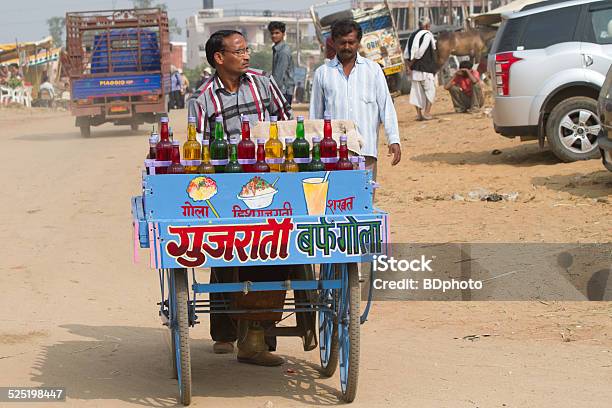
246, 147
176, 167
261, 166
163, 150
328, 146
343, 162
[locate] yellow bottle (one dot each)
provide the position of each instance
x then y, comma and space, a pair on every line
205, 167
289, 166
191, 149
274, 148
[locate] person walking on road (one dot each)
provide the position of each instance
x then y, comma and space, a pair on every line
421, 66
282, 61
352, 87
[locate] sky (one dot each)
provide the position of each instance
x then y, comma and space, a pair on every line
25, 20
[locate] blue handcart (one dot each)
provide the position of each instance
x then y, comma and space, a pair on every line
324, 219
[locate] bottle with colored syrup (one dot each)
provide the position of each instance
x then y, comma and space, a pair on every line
218, 147
176, 167
192, 150
246, 147
205, 167
316, 164
150, 160
260, 165
163, 150
274, 148
289, 166
329, 147
153, 140
233, 166
343, 162
301, 147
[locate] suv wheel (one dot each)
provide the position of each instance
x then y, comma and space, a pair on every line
572, 129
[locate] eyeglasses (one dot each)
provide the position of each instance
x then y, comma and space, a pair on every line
239, 52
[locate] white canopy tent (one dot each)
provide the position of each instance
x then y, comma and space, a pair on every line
494, 16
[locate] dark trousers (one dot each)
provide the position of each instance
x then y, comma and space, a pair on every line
463, 102
222, 326
175, 100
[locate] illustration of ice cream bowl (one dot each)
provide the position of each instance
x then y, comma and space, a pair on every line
257, 193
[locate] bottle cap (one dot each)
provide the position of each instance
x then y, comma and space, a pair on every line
176, 143
316, 139
261, 141
154, 138
219, 119
191, 119
164, 119
327, 116
273, 118
343, 138
233, 140
300, 118
205, 142
288, 140
245, 118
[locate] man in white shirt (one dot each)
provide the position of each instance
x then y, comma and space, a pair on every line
421, 65
352, 87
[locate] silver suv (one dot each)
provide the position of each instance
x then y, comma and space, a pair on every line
547, 64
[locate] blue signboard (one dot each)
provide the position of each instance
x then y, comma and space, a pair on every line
259, 218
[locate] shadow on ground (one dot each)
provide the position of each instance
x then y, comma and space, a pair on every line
132, 364
524, 155
597, 184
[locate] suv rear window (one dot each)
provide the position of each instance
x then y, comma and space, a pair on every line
509, 35
550, 28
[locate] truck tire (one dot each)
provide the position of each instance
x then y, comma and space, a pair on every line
572, 129
85, 130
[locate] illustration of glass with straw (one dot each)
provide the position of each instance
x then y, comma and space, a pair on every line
203, 189
315, 193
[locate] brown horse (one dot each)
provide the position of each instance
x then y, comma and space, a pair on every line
473, 43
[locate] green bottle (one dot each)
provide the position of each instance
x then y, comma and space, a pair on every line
315, 164
233, 166
301, 147
218, 147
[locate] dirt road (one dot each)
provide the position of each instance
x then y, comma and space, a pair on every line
79, 314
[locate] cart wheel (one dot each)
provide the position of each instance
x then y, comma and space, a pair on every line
179, 297
348, 331
328, 328
174, 370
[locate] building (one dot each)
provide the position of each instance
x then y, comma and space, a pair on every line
252, 23
178, 54
406, 13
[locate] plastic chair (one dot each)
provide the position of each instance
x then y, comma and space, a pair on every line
6, 95
27, 96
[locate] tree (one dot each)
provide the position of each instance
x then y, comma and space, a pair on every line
173, 25
262, 60
56, 30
